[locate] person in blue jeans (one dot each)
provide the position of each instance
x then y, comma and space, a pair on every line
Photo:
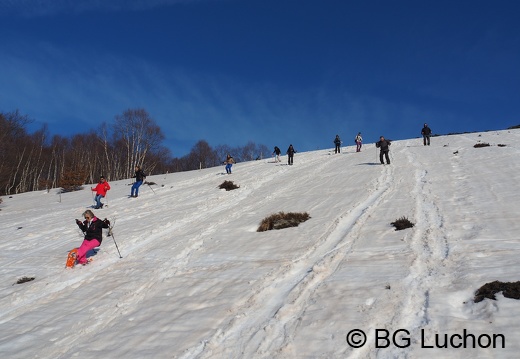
229, 163
101, 191
139, 176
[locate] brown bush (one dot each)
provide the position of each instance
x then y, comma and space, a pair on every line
488, 290
282, 220
402, 223
228, 185
72, 180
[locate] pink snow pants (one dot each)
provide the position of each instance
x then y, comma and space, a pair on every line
84, 248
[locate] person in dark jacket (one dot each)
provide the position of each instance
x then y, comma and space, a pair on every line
92, 228
426, 133
277, 152
139, 176
337, 143
384, 146
290, 153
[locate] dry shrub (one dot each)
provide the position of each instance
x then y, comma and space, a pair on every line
72, 180
228, 186
481, 144
24, 280
402, 223
282, 220
501, 145
488, 290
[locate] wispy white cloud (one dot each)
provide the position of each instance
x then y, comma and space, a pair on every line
61, 88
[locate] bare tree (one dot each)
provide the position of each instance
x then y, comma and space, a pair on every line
203, 155
139, 135
222, 151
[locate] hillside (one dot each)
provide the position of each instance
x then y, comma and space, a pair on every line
197, 281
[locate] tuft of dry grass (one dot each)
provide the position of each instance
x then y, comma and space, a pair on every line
24, 280
481, 144
228, 185
402, 223
282, 220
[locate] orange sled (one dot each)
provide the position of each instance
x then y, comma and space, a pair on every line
71, 258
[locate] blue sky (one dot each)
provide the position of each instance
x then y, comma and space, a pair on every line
273, 72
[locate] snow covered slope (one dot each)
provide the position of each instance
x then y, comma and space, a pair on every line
197, 281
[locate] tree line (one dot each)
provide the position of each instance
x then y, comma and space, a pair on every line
37, 161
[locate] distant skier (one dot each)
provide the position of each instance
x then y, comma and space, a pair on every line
359, 142
426, 133
229, 163
277, 152
139, 176
290, 153
101, 191
384, 146
92, 228
337, 143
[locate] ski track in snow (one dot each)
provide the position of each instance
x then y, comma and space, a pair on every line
429, 250
279, 301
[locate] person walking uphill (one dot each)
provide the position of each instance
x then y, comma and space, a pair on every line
229, 163
426, 133
92, 228
359, 142
384, 146
101, 191
277, 152
139, 176
337, 143
290, 154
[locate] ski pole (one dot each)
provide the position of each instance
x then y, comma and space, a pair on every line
111, 234
151, 188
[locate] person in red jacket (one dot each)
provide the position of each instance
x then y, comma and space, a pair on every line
101, 191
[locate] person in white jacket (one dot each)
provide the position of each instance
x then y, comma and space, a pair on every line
359, 142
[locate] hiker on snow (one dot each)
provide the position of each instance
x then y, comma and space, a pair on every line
277, 152
229, 163
384, 146
337, 143
92, 228
359, 142
139, 176
290, 153
426, 133
101, 191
